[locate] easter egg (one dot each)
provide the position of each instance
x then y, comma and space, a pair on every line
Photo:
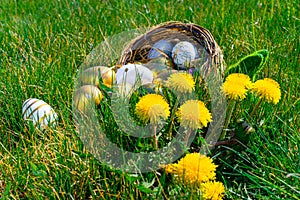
108, 77
134, 74
39, 112
183, 53
125, 90
86, 96
92, 75
162, 48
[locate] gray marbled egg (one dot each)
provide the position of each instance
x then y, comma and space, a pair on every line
160, 48
183, 53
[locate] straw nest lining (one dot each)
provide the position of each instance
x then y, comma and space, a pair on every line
210, 57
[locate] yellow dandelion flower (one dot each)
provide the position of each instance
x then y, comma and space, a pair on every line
236, 86
194, 168
193, 114
152, 107
268, 89
213, 190
181, 82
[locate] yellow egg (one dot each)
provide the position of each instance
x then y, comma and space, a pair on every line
108, 77
91, 76
87, 96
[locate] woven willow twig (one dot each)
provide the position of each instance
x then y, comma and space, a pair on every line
210, 56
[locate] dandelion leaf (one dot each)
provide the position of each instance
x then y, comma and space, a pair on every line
251, 64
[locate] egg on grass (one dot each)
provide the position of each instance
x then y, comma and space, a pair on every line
39, 113
125, 90
134, 74
92, 75
85, 97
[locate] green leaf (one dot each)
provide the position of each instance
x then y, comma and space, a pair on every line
131, 177
144, 189
251, 64
33, 167
36, 171
7, 189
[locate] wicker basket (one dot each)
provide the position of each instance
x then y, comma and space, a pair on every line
210, 58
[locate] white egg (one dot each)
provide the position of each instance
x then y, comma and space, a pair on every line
125, 90
159, 48
39, 112
134, 74
183, 53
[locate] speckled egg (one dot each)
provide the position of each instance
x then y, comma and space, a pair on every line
183, 53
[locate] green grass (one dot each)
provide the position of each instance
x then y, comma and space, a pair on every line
43, 43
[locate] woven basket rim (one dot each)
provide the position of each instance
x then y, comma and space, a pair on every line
198, 33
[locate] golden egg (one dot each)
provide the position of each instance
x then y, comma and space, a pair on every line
108, 77
87, 96
91, 76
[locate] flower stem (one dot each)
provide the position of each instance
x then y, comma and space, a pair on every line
186, 139
231, 108
226, 142
256, 107
172, 117
154, 137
